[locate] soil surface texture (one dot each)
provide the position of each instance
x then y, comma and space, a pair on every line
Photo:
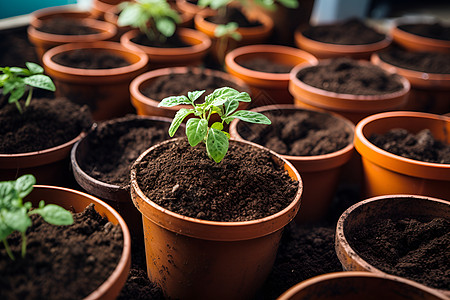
410, 248
62, 262
421, 146
246, 185
90, 59
435, 30
234, 14
347, 76
299, 133
66, 26
429, 62
16, 49
174, 41
115, 145
350, 32
44, 124
266, 65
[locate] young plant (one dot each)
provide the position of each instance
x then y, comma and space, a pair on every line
220, 5
15, 215
224, 102
155, 18
14, 81
225, 32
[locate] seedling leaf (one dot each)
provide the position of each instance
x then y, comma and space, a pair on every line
179, 117
40, 81
174, 101
216, 144
196, 130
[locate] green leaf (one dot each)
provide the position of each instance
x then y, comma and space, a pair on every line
289, 3
34, 68
243, 97
174, 101
166, 26
54, 214
5, 230
40, 81
217, 125
18, 71
130, 13
17, 219
7, 194
236, 36
16, 94
222, 95
216, 144
231, 106
248, 116
179, 117
196, 130
24, 185
195, 95
12, 84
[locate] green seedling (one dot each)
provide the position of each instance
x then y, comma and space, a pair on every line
224, 102
225, 32
154, 18
15, 215
220, 5
14, 81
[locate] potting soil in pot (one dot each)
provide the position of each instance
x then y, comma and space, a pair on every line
62, 262
350, 32
347, 76
299, 133
233, 14
265, 65
44, 124
90, 59
421, 146
410, 248
246, 185
435, 30
171, 42
66, 26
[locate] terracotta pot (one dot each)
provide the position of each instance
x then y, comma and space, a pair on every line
43, 41
366, 212
429, 92
386, 173
415, 42
193, 9
100, 7
197, 259
78, 201
170, 57
352, 107
149, 107
105, 91
359, 285
320, 173
267, 88
323, 50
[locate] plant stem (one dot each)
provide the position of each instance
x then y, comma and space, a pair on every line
30, 94
24, 244
8, 250
18, 106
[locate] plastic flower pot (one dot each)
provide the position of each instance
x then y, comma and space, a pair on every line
197, 259
78, 201
44, 41
414, 42
105, 91
386, 173
170, 57
367, 212
352, 107
359, 285
320, 173
268, 88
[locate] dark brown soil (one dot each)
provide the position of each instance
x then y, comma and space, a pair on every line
347, 76
62, 262
15, 48
66, 26
90, 59
234, 14
299, 133
115, 145
410, 248
421, 146
350, 32
430, 62
181, 84
246, 185
435, 30
265, 65
171, 42
44, 124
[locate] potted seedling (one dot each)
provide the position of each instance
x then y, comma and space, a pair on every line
157, 34
204, 217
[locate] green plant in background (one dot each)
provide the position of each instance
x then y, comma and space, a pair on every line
220, 5
15, 215
14, 81
224, 102
155, 18
225, 32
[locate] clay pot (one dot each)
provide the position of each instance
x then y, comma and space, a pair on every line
209, 259
149, 107
366, 212
415, 42
100, 7
359, 285
44, 41
78, 201
352, 107
193, 9
170, 57
386, 173
429, 92
267, 88
320, 173
105, 91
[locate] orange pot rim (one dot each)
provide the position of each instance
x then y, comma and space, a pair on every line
232, 231
193, 9
398, 33
55, 67
36, 17
394, 162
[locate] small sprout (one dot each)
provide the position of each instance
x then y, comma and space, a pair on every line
224, 32
224, 102
15, 215
14, 81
